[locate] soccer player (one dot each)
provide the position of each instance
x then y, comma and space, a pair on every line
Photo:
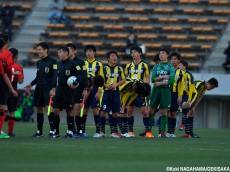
64, 94
163, 76
188, 91
44, 80
79, 93
94, 68
201, 86
114, 77
17, 77
176, 93
5, 89
138, 70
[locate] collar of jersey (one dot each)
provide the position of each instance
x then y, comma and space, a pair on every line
91, 60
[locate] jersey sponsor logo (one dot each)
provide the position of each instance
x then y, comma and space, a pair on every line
135, 71
78, 67
112, 75
54, 66
67, 72
47, 70
91, 69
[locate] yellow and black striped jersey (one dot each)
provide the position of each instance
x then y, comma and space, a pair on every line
178, 86
94, 67
127, 92
137, 71
113, 74
200, 87
189, 87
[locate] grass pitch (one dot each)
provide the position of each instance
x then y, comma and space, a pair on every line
23, 153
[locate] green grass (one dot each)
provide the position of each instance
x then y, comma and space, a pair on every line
24, 153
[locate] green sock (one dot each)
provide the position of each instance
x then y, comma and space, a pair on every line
164, 121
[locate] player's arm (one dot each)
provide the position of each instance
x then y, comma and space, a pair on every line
8, 83
9, 63
21, 76
147, 74
181, 86
100, 89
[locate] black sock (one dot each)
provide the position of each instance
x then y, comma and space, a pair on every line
57, 122
40, 121
190, 125
169, 125
97, 121
84, 119
115, 125
146, 123
78, 123
70, 123
103, 121
173, 125
187, 130
51, 121
111, 124
184, 117
130, 123
125, 121
120, 123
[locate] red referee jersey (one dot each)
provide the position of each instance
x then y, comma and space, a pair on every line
16, 67
6, 56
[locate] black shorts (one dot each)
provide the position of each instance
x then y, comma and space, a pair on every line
12, 103
4, 92
91, 100
174, 105
64, 98
42, 95
78, 94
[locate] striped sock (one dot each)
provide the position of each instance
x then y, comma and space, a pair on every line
190, 125
159, 125
97, 121
146, 123
130, 123
120, 122
187, 130
125, 120
173, 125
184, 117
103, 121
115, 125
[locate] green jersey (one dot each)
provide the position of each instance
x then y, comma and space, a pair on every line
163, 69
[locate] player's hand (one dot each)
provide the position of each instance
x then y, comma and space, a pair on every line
113, 86
52, 92
98, 95
15, 93
179, 99
156, 84
165, 76
28, 87
17, 73
85, 94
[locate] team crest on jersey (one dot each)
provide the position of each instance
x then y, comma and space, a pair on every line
47, 70
67, 72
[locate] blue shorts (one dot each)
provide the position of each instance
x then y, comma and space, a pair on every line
91, 100
139, 102
111, 101
174, 105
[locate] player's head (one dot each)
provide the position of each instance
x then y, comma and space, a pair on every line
136, 52
163, 54
2, 43
211, 84
42, 49
156, 59
146, 91
14, 53
175, 58
63, 53
112, 57
72, 49
183, 65
90, 51
5, 38
98, 81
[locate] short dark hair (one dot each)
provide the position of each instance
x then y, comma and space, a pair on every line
71, 45
90, 47
65, 49
140, 88
44, 45
177, 55
156, 58
14, 52
137, 48
98, 81
2, 43
146, 91
165, 50
111, 52
4, 37
213, 81
185, 63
